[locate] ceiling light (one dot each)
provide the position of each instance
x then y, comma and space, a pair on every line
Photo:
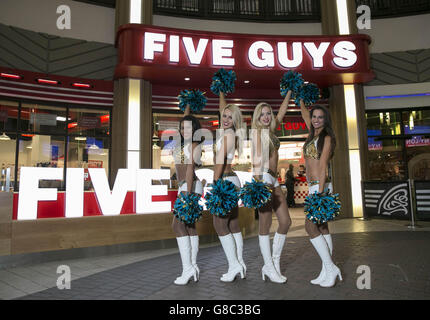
187, 79
81, 138
81, 85
4, 137
411, 122
10, 76
47, 81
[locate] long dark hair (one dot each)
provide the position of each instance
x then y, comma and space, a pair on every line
195, 125
326, 131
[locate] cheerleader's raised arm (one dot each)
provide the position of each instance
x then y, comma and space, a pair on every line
305, 114
283, 108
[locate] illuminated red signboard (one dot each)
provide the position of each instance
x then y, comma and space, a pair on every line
167, 56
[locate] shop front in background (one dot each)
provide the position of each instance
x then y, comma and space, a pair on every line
399, 144
55, 136
399, 164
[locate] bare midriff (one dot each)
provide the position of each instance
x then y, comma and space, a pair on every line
312, 169
273, 161
181, 172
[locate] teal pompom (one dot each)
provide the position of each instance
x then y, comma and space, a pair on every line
223, 81
187, 209
309, 93
291, 81
322, 207
222, 198
193, 97
255, 194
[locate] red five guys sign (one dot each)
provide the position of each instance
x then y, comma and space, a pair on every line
166, 56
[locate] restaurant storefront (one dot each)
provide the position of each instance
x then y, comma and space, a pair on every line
399, 144
52, 123
110, 131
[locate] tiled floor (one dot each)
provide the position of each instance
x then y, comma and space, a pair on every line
398, 256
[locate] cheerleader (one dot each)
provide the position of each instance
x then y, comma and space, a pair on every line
318, 150
227, 227
265, 168
189, 186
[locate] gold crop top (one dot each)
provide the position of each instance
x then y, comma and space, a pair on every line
310, 150
180, 155
275, 141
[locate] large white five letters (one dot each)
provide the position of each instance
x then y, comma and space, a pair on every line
30, 193
110, 201
145, 190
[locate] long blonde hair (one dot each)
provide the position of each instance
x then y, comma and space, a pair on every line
236, 115
238, 125
256, 124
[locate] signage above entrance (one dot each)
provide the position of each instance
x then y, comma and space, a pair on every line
168, 56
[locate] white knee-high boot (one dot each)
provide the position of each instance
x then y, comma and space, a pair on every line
321, 276
188, 270
194, 240
234, 266
238, 239
278, 245
268, 268
331, 270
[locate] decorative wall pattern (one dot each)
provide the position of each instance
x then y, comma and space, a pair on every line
400, 67
390, 199
39, 52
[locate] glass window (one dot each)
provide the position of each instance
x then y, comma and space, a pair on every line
402, 158
87, 122
418, 156
42, 151
386, 160
89, 153
42, 139
37, 118
8, 116
8, 127
416, 121
383, 123
44, 134
88, 141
